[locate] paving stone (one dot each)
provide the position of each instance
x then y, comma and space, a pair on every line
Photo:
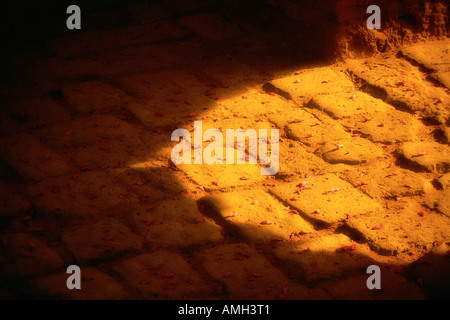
322, 201
95, 285
290, 115
81, 194
255, 215
81, 131
25, 255
350, 151
107, 153
257, 105
442, 77
433, 55
100, 240
174, 97
314, 132
29, 111
246, 274
316, 257
369, 116
165, 275
223, 176
399, 83
86, 97
176, 223
393, 287
296, 160
385, 127
379, 180
32, 159
395, 231
228, 76
429, 156
342, 105
153, 182
313, 82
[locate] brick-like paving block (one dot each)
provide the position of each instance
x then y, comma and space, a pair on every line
228, 76
385, 127
342, 105
95, 285
363, 114
165, 275
291, 114
392, 231
85, 193
81, 131
29, 111
295, 160
351, 151
176, 223
256, 105
318, 257
255, 215
100, 240
25, 255
86, 97
426, 155
152, 182
443, 77
108, 153
380, 180
173, 97
223, 176
312, 82
315, 132
404, 85
246, 274
326, 198
433, 55
33, 159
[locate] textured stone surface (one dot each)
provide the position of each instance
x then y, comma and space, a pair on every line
325, 199
100, 240
255, 215
87, 176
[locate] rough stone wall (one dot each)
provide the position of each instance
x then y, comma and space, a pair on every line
343, 22
403, 22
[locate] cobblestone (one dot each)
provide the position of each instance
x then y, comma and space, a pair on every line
87, 175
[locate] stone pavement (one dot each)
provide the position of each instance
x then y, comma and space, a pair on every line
87, 177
